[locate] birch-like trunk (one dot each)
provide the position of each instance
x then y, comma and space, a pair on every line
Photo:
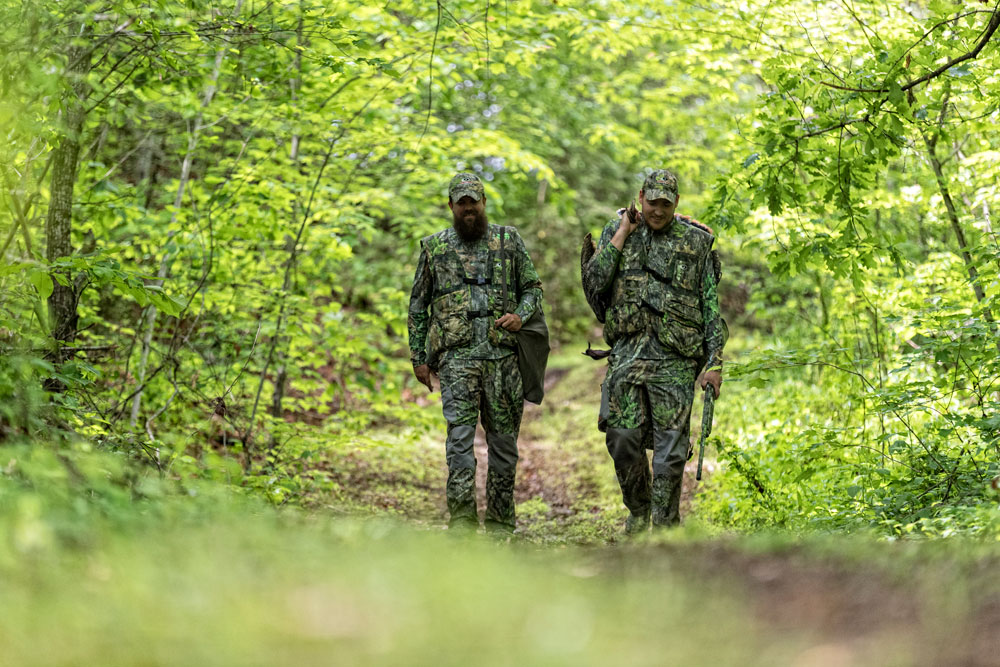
282, 377
59, 219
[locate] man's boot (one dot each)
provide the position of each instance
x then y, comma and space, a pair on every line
461, 489
666, 500
669, 455
632, 471
461, 494
502, 449
499, 501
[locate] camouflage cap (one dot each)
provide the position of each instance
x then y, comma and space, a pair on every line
465, 185
660, 184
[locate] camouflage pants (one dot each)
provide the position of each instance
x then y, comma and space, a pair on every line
649, 407
489, 389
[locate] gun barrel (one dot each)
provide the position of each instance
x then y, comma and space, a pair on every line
707, 415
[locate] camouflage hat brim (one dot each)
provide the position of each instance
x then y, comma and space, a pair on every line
659, 193
466, 191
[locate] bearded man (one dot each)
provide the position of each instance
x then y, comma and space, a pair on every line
459, 329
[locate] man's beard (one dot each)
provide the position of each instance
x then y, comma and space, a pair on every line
471, 230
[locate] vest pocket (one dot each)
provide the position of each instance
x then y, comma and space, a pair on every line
450, 326
622, 320
686, 272
495, 335
657, 296
680, 328
500, 337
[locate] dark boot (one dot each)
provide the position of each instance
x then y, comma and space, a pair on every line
632, 471
499, 501
636, 524
461, 489
502, 448
461, 493
670, 451
666, 500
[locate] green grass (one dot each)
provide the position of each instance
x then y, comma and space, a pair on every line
214, 578
244, 584
106, 563
101, 565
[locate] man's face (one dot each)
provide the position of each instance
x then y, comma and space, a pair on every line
470, 217
658, 212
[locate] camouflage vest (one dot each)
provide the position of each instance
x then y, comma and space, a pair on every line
462, 295
661, 285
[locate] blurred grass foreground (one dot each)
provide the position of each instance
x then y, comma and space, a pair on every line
237, 583
106, 563
146, 574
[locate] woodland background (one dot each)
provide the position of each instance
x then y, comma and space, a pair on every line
209, 218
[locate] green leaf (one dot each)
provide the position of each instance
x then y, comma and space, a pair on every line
166, 304
42, 281
896, 96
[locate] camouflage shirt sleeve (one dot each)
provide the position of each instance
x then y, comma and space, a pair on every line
603, 266
528, 284
712, 317
420, 300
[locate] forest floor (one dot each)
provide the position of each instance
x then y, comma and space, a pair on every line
850, 601
197, 573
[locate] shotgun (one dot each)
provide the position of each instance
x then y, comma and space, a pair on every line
706, 425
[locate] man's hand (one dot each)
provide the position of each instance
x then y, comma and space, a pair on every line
423, 374
510, 322
626, 226
713, 378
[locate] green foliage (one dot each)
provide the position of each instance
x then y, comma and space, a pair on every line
240, 584
895, 454
259, 178
253, 180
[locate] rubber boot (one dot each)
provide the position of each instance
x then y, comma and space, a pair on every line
669, 455
666, 500
502, 450
461, 488
499, 501
461, 493
632, 471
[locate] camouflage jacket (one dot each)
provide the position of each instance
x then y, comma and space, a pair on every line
662, 289
458, 294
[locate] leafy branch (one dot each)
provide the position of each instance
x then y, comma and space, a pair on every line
991, 28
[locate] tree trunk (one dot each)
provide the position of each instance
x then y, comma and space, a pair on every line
956, 228
931, 141
59, 221
282, 379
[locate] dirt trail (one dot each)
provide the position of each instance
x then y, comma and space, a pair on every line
542, 466
846, 613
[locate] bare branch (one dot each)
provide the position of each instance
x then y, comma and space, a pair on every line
430, 73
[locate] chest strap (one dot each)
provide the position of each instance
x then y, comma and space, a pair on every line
646, 270
658, 276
